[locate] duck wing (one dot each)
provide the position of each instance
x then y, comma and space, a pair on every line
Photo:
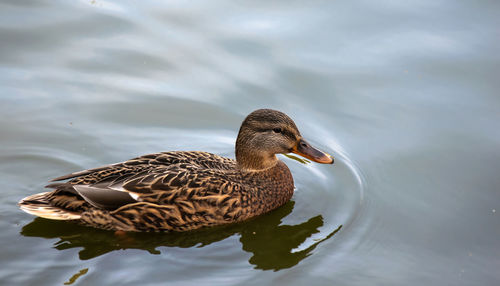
157, 178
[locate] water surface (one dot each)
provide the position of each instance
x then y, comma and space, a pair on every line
405, 95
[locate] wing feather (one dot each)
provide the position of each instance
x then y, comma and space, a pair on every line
104, 198
148, 178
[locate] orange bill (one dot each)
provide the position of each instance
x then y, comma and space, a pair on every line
305, 150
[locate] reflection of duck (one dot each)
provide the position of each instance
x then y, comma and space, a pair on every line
272, 245
183, 190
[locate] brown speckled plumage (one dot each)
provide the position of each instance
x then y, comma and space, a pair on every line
180, 191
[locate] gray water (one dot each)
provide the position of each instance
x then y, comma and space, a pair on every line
404, 94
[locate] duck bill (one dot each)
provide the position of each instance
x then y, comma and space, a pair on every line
304, 149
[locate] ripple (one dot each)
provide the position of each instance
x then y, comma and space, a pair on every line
42, 159
335, 192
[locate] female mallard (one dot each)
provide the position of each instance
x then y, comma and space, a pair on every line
180, 191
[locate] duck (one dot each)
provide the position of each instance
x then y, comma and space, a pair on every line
183, 190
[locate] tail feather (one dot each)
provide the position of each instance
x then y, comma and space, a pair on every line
39, 205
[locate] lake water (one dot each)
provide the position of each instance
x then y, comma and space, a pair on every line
404, 94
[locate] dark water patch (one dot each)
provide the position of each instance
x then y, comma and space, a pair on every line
270, 243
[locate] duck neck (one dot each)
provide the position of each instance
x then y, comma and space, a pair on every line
255, 161
251, 159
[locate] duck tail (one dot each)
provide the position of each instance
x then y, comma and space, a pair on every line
39, 205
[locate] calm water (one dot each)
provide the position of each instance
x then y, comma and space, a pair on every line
405, 95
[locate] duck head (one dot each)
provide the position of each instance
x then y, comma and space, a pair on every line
265, 133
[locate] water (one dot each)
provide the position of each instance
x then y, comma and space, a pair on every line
405, 95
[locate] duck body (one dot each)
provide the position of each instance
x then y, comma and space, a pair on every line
176, 191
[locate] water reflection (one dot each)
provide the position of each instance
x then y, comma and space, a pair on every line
271, 243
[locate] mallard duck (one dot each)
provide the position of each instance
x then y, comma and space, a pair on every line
183, 190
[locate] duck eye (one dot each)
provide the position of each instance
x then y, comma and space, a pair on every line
277, 130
